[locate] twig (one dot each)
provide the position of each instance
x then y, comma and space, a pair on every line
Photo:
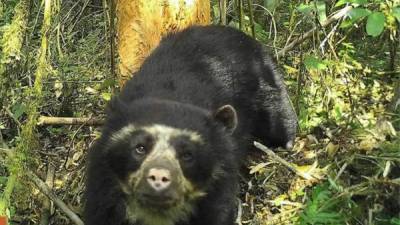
341, 13
2, 143
112, 41
273, 25
58, 202
222, 12
239, 213
240, 11
340, 172
252, 26
47, 206
275, 157
89, 121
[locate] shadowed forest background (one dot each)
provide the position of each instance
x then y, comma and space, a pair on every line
340, 63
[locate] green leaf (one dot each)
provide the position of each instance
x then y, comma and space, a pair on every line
354, 15
305, 8
358, 13
106, 96
314, 63
3, 180
18, 110
321, 10
375, 24
395, 221
396, 13
271, 5
358, 2
314, 6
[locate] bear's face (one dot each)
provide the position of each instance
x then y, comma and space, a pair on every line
163, 166
158, 165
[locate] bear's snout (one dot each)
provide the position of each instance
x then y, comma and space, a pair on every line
159, 179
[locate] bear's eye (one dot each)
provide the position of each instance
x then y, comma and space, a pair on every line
140, 149
187, 156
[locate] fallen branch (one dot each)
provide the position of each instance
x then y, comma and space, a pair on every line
46, 191
239, 213
340, 14
275, 157
47, 206
89, 121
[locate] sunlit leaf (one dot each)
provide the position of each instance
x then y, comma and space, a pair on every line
91, 90
258, 168
290, 70
312, 62
278, 200
311, 172
375, 23
58, 87
106, 96
332, 149
383, 128
368, 143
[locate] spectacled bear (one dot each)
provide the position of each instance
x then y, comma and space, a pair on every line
174, 137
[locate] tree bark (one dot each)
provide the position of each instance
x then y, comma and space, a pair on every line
142, 23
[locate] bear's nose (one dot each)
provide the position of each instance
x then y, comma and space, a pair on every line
159, 179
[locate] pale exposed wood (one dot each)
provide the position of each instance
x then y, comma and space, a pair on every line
222, 11
89, 121
58, 202
47, 204
142, 23
276, 158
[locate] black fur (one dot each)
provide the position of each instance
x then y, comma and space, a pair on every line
182, 84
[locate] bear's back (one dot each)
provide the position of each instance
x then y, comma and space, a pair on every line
204, 66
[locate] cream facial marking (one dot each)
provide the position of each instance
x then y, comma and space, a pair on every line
157, 130
167, 153
167, 132
123, 133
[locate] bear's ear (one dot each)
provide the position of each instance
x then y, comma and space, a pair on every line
116, 106
227, 116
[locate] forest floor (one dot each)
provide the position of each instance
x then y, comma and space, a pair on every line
344, 167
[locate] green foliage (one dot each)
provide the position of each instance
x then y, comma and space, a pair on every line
318, 7
271, 4
313, 63
337, 78
375, 23
7, 8
355, 2
18, 109
396, 13
354, 15
377, 19
395, 221
326, 207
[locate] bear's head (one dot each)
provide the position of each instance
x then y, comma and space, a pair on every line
167, 155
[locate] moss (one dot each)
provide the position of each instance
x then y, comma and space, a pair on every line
11, 42
28, 138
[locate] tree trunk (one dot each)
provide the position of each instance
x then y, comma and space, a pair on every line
142, 23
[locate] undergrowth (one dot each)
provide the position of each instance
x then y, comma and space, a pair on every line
342, 82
